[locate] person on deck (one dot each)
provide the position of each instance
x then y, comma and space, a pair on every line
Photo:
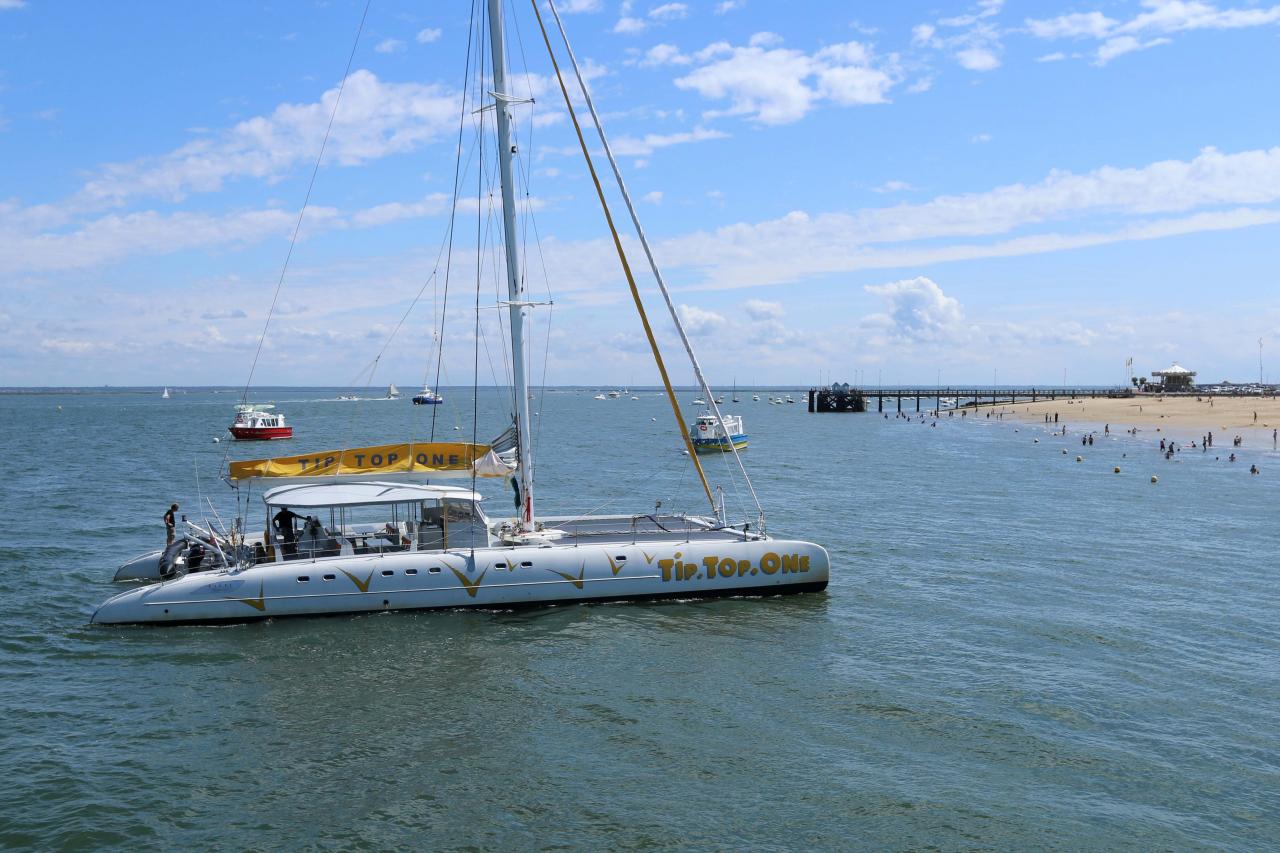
283, 523
170, 524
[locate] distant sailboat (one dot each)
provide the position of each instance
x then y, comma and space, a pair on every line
165, 395
393, 393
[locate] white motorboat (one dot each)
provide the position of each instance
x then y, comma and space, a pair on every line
367, 529
717, 435
599, 397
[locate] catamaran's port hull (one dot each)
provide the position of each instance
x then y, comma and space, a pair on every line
494, 578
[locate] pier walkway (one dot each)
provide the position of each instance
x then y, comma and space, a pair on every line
851, 399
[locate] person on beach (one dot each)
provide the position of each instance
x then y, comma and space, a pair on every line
1106, 429
1253, 469
170, 524
1162, 444
1231, 458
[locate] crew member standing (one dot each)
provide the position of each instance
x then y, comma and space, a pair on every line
283, 521
170, 524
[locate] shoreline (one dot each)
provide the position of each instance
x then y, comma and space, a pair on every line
1225, 417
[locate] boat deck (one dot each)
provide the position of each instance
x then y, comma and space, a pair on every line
642, 528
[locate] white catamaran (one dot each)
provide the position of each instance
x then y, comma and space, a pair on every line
373, 528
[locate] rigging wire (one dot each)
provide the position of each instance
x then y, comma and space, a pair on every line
626, 266
453, 207
644, 241
244, 397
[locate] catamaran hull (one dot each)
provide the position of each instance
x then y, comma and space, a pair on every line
488, 578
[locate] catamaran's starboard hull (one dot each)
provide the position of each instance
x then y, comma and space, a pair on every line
487, 578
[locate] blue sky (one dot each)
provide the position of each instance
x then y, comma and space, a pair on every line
907, 190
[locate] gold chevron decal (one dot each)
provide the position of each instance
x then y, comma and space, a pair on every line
648, 558
570, 578
363, 585
617, 567
259, 603
471, 587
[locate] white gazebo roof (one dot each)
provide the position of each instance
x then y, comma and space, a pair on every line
1174, 370
313, 495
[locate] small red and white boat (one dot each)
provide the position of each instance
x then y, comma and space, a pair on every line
255, 422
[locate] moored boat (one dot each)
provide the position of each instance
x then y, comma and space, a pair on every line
256, 422
710, 434
427, 397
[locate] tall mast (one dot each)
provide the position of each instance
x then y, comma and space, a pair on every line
516, 305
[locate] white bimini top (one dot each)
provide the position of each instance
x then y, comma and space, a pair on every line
314, 495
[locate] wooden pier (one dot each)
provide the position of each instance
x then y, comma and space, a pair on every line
844, 398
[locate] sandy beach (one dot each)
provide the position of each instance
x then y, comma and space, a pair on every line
1183, 416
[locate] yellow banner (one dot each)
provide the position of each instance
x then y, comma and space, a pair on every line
430, 458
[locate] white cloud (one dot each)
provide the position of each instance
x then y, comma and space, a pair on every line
758, 309
654, 197
972, 39
917, 309
1052, 57
726, 6
699, 321
428, 35
664, 54
1075, 25
892, 187
628, 26
1120, 45
979, 138
1144, 30
977, 59
6, 5
631, 146
389, 46
573, 7
775, 85
669, 12
375, 119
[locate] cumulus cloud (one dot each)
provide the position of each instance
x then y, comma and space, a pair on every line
699, 321
917, 309
758, 309
776, 85
428, 35
389, 46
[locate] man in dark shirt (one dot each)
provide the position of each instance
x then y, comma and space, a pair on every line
170, 524
283, 522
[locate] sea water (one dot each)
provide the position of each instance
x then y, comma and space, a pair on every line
1017, 650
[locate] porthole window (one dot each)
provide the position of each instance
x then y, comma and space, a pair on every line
329, 577
304, 578
410, 571
435, 570
527, 564
386, 573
